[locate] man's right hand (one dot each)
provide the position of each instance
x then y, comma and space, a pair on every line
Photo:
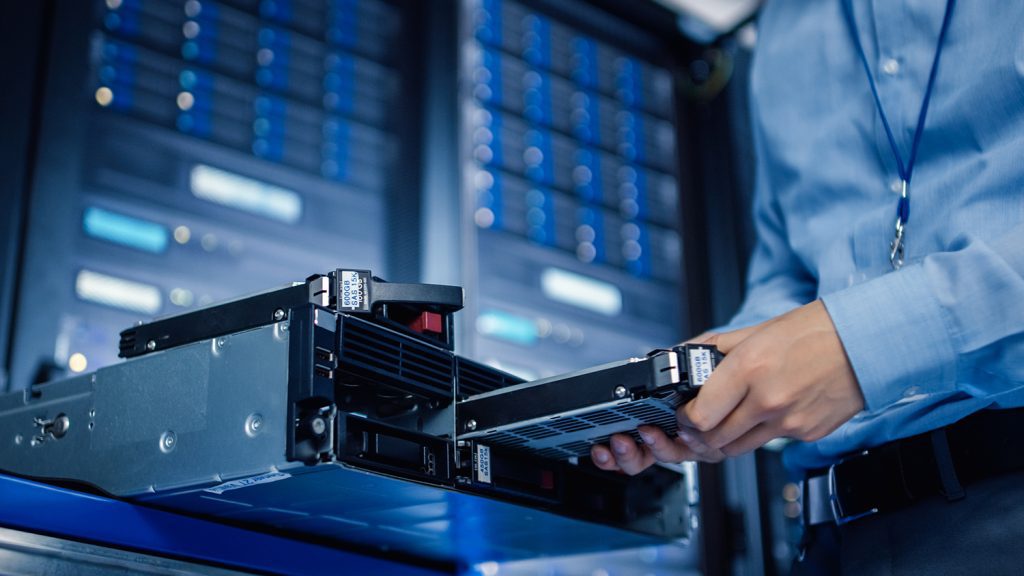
623, 454
788, 377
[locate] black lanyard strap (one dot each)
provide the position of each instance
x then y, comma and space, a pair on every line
906, 171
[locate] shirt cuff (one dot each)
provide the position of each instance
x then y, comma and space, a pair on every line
895, 336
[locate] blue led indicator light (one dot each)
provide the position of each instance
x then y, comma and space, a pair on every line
125, 230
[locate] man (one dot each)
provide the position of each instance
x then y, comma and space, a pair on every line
904, 340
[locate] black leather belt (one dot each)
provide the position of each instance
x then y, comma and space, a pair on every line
899, 473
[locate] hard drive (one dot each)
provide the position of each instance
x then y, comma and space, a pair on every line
563, 416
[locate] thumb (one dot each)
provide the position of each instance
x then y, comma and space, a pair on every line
727, 341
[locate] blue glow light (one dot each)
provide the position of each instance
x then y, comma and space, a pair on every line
505, 326
125, 230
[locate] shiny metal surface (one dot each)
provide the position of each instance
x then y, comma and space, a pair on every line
25, 553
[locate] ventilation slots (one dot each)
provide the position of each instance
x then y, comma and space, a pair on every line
475, 378
567, 436
371, 355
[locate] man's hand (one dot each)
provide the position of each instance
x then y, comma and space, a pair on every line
788, 377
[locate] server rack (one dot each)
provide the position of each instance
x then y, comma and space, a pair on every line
187, 145
571, 184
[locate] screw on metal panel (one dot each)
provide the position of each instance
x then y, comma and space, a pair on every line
18, 439
318, 425
151, 345
471, 425
278, 315
168, 440
221, 342
253, 424
92, 413
60, 426
284, 326
620, 391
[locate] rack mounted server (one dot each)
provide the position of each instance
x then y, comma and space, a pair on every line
335, 410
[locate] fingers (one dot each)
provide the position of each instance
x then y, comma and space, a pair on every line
727, 341
722, 393
622, 454
630, 457
750, 441
663, 448
603, 458
703, 452
740, 421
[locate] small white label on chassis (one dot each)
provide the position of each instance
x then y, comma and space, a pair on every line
483, 464
700, 366
246, 482
350, 290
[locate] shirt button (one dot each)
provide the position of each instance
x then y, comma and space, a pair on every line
896, 185
890, 66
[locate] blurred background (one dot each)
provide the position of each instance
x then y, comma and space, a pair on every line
581, 167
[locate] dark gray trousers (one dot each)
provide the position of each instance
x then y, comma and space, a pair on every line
982, 534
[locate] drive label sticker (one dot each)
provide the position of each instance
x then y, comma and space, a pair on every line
351, 290
483, 464
700, 366
246, 482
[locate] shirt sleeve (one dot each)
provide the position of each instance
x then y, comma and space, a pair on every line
953, 322
777, 280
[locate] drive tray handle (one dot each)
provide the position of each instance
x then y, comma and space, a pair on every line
360, 291
699, 360
688, 366
445, 298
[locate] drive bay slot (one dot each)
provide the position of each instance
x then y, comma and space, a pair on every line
372, 445
515, 474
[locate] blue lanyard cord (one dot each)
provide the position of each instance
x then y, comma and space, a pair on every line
905, 171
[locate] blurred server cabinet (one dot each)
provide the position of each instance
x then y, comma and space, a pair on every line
197, 150
571, 204
570, 186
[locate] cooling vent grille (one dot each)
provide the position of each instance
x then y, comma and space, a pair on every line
127, 342
477, 378
369, 354
561, 437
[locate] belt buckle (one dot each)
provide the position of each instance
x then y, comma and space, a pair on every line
843, 516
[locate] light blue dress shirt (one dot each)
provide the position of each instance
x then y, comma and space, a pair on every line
944, 336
